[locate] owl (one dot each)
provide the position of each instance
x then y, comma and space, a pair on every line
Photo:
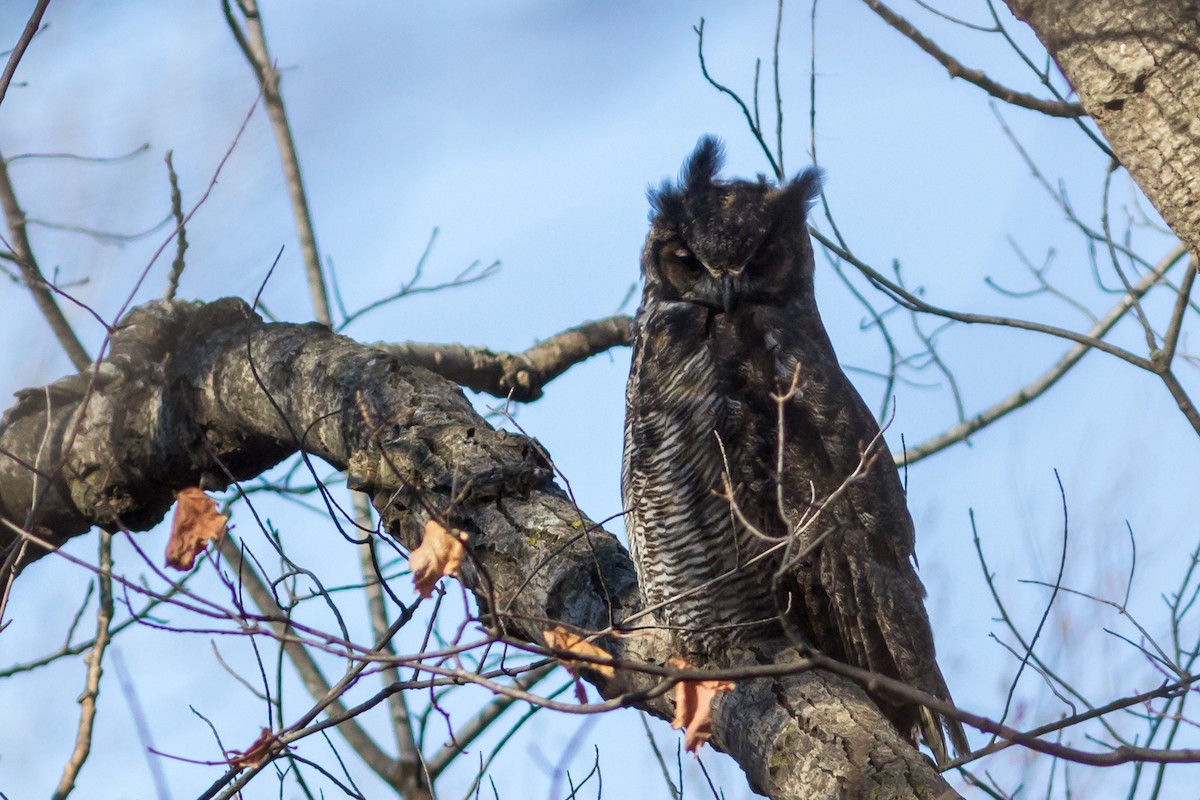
760, 497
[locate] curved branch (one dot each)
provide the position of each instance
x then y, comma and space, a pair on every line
517, 376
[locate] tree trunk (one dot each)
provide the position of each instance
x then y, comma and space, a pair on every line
196, 393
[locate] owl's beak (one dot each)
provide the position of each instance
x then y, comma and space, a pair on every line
728, 293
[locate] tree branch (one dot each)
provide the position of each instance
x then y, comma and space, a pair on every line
1053, 108
1047, 379
32, 274
242, 395
14, 58
517, 376
254, 48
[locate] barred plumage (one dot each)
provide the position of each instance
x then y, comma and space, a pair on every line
736, 535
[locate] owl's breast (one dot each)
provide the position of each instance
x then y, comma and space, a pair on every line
691, 435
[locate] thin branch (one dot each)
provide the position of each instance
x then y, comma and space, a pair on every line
662, 763
1055, 588
255, 50
180, 231
758, 136
1151, 344
1171, 339
778, 92
102, 236
415, 778
87, 701
1053, 108
306, 666
14, 58
32, 274
1182, 399
911, 301
134, 153
1044, 382
482, 719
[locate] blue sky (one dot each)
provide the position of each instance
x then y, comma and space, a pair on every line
527, 132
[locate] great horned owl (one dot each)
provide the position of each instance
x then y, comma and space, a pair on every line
760, 497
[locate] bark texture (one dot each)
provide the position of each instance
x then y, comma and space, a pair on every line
1136, 68
205, 393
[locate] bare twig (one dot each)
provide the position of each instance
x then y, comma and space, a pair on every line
254, 47
134, 153
153, 761
1055, 588
416, 779
1147, 329
1053, 108
14, 58
1046, 380
778, 91
32, 274
483, 718
911, 301
750, 120
1171, 338
180, 231
87, 701
306, 666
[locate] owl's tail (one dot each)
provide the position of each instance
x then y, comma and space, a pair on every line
934, 728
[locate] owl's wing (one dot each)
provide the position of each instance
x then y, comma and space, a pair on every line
859, 585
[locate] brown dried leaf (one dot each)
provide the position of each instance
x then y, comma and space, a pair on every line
559, 638
196, 523
440, 553
693, 707
256, 753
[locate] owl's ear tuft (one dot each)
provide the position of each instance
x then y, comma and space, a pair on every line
806, 186
699, 171
799, 193
666, 201
702, 166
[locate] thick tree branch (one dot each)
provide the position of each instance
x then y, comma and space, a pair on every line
242, 395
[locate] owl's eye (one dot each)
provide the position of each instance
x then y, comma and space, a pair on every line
761, 258
680, 267
682, 260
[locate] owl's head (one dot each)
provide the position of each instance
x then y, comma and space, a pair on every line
723, 243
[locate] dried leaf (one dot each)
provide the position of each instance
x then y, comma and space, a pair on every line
256, 753
196, 523
559, 638
440, 553
693, 707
